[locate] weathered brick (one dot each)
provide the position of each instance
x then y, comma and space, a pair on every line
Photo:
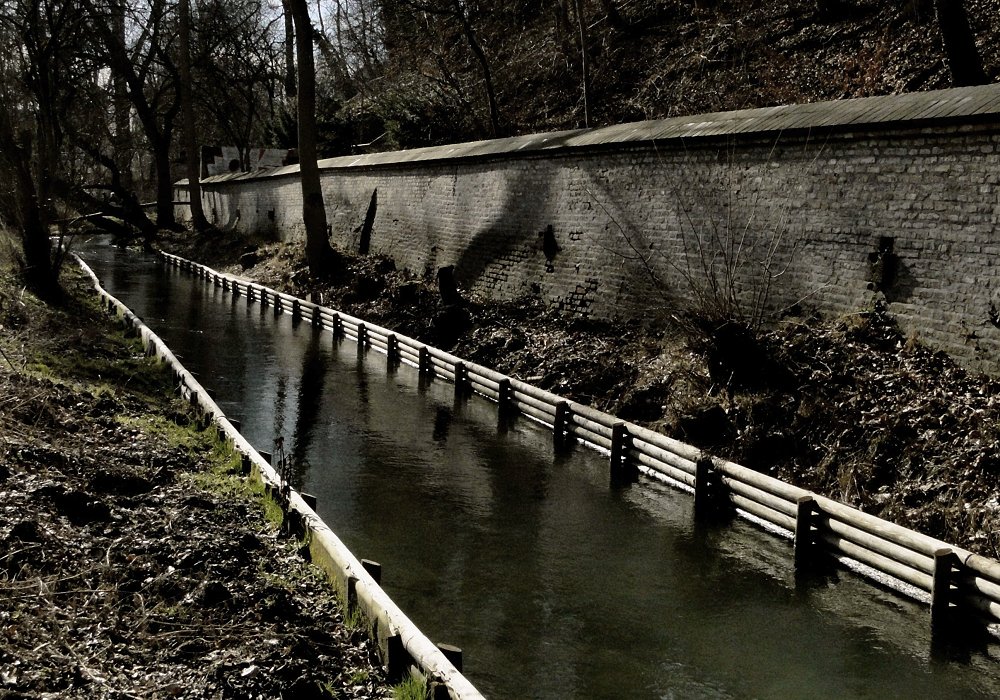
634, 223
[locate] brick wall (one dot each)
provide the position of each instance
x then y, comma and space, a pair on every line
828, 217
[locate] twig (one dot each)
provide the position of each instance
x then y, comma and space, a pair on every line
8, 359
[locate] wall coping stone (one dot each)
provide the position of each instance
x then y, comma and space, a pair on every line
913, 109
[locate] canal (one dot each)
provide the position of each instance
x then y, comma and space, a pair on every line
554, 584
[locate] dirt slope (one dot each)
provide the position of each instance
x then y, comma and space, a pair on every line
134, 562
847, 407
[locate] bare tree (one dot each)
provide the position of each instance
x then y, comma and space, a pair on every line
288, 15
191, 148
484, 65
319, 254
25, 207
151, 77
581, 23
37, 85
959, 44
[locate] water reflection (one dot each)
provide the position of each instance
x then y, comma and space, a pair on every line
553, 584
442, 421
309, 399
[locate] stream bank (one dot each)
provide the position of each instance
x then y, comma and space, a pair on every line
136, 562
847, 407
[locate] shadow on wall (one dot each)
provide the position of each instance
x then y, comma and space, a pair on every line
511, 239
520, 228
889, 274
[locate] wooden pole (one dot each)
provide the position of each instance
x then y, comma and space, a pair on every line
702, 470
362, 338
374, 569
805, 507
424, 366
352, 593
622, 471
945, 562
560, 425
391, 350
461, 380
396, 658
453, 654
505, 397
710, 500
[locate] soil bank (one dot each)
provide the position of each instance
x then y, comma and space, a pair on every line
847, 407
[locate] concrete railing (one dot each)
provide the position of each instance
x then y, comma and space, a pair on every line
403, 646
961, 585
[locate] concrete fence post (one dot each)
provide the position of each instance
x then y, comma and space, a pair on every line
296, 310
338, 326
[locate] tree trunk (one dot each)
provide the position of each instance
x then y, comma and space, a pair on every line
319, 254
192, 151
164, 184
477, 50
959, 44
584, 62
39, 273
122, 145
149, 115
290, 86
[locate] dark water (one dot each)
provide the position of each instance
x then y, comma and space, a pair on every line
555, 585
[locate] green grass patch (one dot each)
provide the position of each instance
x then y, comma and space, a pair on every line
224, 476
410, 689
169, 430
